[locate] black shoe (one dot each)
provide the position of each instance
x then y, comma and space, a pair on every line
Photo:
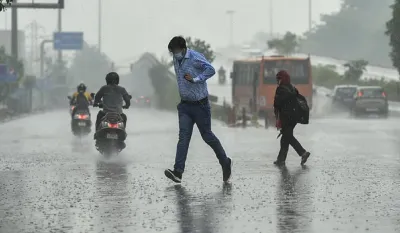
279, 163
173, 175
304, 157
227, 171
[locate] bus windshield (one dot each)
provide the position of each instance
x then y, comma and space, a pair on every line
297, 69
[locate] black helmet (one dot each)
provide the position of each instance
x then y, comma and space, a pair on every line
112, 78
81, 87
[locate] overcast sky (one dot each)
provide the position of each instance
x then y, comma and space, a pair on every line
131, 27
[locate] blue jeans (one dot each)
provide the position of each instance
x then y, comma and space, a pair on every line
189, 114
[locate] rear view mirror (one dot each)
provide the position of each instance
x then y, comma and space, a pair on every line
69, 97
130, 97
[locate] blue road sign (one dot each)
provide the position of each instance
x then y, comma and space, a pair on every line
7, 75
68, 40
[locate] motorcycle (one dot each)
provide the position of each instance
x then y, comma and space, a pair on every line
110, 134
81, 122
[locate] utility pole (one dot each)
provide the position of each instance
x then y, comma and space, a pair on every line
42, 56
231, 13
14, 18
34, 28
100, 24
5, 20
59, 30
309, 15
34, 36
14, 31
271, 18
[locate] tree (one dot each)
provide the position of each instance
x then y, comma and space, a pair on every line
165, 88
2, 4
202, 47
357, 30
166, 62
57, 71
258, 40
286, 46
89, 66
355, 70
393, 31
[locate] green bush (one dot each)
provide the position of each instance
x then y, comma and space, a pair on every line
326, 76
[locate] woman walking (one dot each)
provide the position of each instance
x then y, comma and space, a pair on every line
285, 105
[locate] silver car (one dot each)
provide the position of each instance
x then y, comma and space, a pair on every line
370, 100
343, 95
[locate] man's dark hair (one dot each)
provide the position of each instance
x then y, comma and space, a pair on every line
178, 42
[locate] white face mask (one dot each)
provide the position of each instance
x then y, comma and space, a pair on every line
179, 55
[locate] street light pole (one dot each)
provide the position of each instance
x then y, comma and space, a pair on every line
230, 13
59, 30
99, 26
271, 18
5, 21
14, 32
309, 15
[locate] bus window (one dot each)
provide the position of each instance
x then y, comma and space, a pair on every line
240, 74
297, 69
255, 74
243, 74
269, 75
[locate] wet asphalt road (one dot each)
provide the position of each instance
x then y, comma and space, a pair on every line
53, 182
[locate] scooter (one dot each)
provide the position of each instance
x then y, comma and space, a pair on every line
81, 122
110, 134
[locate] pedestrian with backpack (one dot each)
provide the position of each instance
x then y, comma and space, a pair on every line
290, 108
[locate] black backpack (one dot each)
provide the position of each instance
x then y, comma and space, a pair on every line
81, 101
302, 110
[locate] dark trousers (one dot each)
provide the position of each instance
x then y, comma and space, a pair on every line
101, 114
289, 139
198, 113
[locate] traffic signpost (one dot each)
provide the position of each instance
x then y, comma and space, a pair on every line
68, 40
7, 74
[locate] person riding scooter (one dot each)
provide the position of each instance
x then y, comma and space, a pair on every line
221, 72
221, 75
113, 97
81, 99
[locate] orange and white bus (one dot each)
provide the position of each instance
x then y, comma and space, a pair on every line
254, 79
